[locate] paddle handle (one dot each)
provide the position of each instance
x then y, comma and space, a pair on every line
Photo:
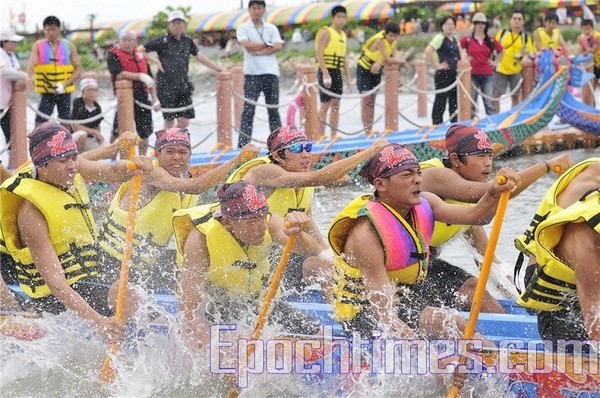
107, 372
485, 270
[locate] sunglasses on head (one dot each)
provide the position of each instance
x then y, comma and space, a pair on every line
298, 148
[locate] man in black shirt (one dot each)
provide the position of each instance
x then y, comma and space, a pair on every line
87, 135
173, 84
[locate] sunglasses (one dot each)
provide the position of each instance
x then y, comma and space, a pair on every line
298, 148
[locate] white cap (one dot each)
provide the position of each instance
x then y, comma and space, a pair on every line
10, 35
176, 14
87, 83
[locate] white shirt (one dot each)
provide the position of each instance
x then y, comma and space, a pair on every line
7, 61
259, 64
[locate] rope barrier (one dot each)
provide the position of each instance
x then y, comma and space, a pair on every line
71, 121
410, 82
350, 134
268, 106
204, 139
249, 136
359, 95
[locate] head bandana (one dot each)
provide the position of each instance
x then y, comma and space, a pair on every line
242, 200
467, 140
284, 137
172, 136
389, 160
50, 141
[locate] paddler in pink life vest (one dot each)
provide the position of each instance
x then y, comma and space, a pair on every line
462, 178
381, 243
50, 232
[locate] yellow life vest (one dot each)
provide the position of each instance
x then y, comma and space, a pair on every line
70, 225
335, 51
547, 41
369, 57
282, 200
553, 281
406, 250
244, 271
153, 229
53, 68
443, 232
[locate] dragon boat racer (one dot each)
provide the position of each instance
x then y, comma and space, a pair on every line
462, 178
286, 178
164, 190
225, 259
50, 232
381, 243
563, 246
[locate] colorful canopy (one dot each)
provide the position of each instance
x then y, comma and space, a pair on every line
464, 7
563, 3
218, 21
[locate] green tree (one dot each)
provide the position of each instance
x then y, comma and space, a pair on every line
531, 9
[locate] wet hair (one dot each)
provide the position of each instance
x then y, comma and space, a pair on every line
551, 17
51, 21
392, 27
256, 3
448, 164
337, 9
445, 19
587, 22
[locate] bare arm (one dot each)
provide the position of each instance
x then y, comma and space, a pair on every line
76, 64
310, 242
203, 59
363, 249
537, 41
34, 233
322, 42
161, 179
112, 172
33, 60
273, 176
482, 212
110, 151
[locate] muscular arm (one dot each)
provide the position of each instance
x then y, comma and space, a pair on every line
363, 249
310, 241
34, 233
33, 60
193, 275
111, 172
273, 176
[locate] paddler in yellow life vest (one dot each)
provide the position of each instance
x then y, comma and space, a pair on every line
381, 243
330, 51
548, 37
462, 178
286, 178
376, 52
50, 232
167, 188
54, 68
8, 301
563, 246
226, 270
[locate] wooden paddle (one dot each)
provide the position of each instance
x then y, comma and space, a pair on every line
483, 276
234, 392
108, 373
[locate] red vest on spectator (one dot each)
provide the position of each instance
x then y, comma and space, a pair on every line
135, 63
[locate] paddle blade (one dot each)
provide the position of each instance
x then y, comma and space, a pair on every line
107, 372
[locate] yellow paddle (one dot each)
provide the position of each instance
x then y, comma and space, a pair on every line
483, 276
273, 288
108, 373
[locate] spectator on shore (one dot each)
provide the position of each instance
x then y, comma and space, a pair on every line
331, 60
518, 50
484, 52
589, 43
297, 36
54, 67
260, 41
10, 71
443, 52
548, 37
87, 135
173, 85
127, 63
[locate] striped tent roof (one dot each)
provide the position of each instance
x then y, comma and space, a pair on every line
461, 7
297, 15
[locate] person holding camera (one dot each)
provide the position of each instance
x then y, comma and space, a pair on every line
260, 41
518, 48
172, 81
